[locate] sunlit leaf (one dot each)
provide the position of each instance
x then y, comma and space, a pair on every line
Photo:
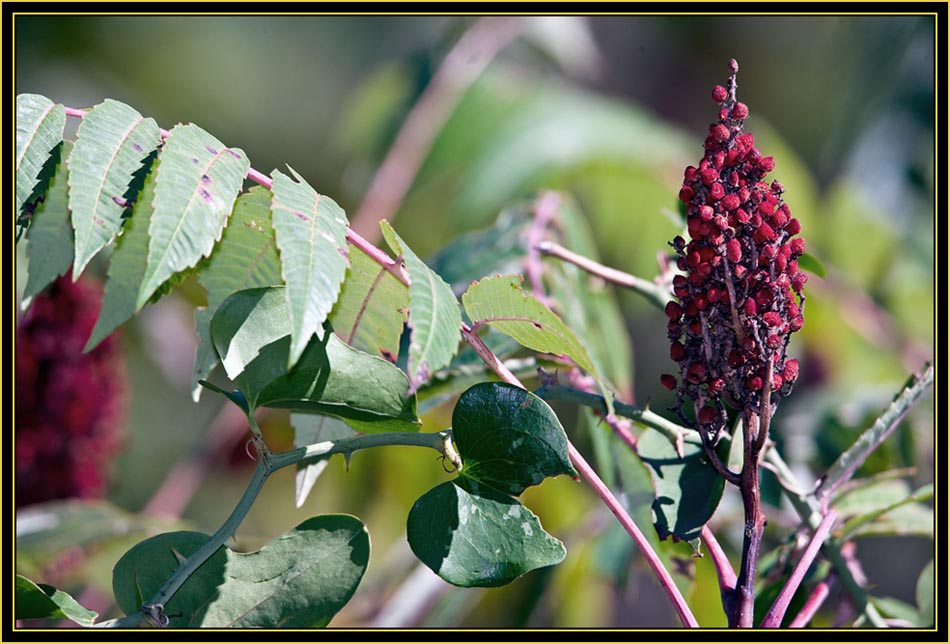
35, 601
197, 182
127, 267
112, 142
39, 129
50, 236
372, 308
472, 535
299, 580
311, 236
434, 315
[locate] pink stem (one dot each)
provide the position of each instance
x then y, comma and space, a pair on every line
818, 597
724, 569
773, 618
662, 574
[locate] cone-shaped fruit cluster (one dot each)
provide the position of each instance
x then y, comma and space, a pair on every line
740, 298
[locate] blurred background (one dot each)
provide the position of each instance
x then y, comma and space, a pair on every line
608, 109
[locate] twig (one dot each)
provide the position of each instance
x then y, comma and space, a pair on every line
460, 68
153, 610
812, 604
724, 570
650, 290
773, 618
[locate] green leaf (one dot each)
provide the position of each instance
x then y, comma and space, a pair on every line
369, 393
688, 489
875, 503
847, 464
197, 182
39, 129
39, 601
246, 257
311, 236
896, 609
471, 535
251, 333
508, 438
50, 236
309, 429
501, 302
127, 267
810, 263
434, 315
112, 142
371, 310
299, 580
925, 596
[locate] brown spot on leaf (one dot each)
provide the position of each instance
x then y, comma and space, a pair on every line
119, 201
211, 150
206, 195
301, 216
387, 354
137, 147
205, 179
233, 153
194, 160
98, 221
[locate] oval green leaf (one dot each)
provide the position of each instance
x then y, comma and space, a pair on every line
472, 535
508, 438
299, 580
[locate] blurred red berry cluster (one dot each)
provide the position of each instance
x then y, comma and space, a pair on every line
736, 307
69, 405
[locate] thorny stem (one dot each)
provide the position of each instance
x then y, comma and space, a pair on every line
460, 68
267, 464
773, 618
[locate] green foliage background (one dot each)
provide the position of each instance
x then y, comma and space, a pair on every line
610, 109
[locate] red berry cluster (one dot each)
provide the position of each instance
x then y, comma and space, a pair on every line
69, 405
736, 305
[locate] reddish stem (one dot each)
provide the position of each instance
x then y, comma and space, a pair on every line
814, 602
773, 618
724, 570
